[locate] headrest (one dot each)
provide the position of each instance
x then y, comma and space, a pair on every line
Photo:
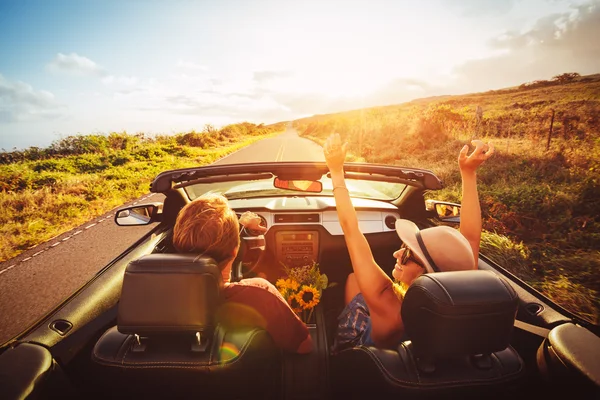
459, 313
169, 293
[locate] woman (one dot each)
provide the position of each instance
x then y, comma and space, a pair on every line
373, 301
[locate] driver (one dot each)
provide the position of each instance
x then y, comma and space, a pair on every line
373, 300
208, 226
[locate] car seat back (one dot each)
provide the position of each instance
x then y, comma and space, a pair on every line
460, 325
457, 313
167, 344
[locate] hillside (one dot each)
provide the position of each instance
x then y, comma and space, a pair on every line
540, 192
45, 192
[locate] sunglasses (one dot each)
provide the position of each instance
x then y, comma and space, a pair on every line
407, 254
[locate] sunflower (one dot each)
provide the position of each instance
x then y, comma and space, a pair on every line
284, 284
308, 297
292, 284
280, 284
294, 302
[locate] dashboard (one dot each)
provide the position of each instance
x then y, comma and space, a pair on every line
298, 228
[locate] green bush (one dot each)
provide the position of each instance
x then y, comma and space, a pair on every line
507, 253
119, 158
89, 163
147, 153
195, 139
16, 179
178, 150
81, 144
122, 141
55, 165
45, 180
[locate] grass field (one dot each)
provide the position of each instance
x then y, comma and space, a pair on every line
45, 192
540, 194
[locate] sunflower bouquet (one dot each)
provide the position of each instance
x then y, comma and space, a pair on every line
302, 289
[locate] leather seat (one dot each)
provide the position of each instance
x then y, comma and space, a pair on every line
167, 344
460, 324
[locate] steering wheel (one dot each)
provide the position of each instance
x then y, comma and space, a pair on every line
251, 249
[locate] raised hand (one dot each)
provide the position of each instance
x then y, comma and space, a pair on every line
469, 163
335, 152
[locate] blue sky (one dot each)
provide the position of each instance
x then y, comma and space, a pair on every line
70, 67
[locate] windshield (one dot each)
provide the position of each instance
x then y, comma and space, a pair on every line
232, 190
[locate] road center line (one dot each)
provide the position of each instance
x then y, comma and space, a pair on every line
279, 156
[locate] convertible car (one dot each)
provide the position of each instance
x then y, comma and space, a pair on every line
145, 326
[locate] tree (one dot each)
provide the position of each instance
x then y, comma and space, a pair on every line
566, 77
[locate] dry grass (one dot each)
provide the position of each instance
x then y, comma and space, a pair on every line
540, 205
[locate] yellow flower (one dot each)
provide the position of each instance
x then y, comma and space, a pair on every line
280, 284
284, 284
294, 303
308, 297
292, 284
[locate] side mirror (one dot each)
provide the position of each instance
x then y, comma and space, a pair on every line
444, 211
137, 215
299, 185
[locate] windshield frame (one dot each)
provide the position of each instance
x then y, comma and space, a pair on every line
372, 189
419, 178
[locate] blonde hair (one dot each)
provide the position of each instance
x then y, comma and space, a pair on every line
400, 289
208, 226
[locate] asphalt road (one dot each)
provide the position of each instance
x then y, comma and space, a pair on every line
38, 279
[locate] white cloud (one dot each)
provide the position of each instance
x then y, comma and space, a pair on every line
191, 65
557, 43
192, 94
75, 64
120, 80
478, 8
263, 76
19, 102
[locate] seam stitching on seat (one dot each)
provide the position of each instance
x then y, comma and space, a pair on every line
174, 364
510, 291
381, 367
441, 287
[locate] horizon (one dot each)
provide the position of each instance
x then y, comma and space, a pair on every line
165, 68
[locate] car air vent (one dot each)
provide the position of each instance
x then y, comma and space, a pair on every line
390, 222
295, 218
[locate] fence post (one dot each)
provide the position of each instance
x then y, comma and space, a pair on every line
478, 116
550, 132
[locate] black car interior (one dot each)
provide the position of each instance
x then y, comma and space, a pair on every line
460, 325
144, 327
167, 343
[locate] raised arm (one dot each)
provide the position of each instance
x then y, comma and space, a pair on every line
372, 280
470, 214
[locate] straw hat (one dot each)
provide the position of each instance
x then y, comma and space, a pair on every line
448, 248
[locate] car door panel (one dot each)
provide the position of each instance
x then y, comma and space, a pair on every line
25, 371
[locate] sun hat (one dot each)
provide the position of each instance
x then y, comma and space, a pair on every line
440, 248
